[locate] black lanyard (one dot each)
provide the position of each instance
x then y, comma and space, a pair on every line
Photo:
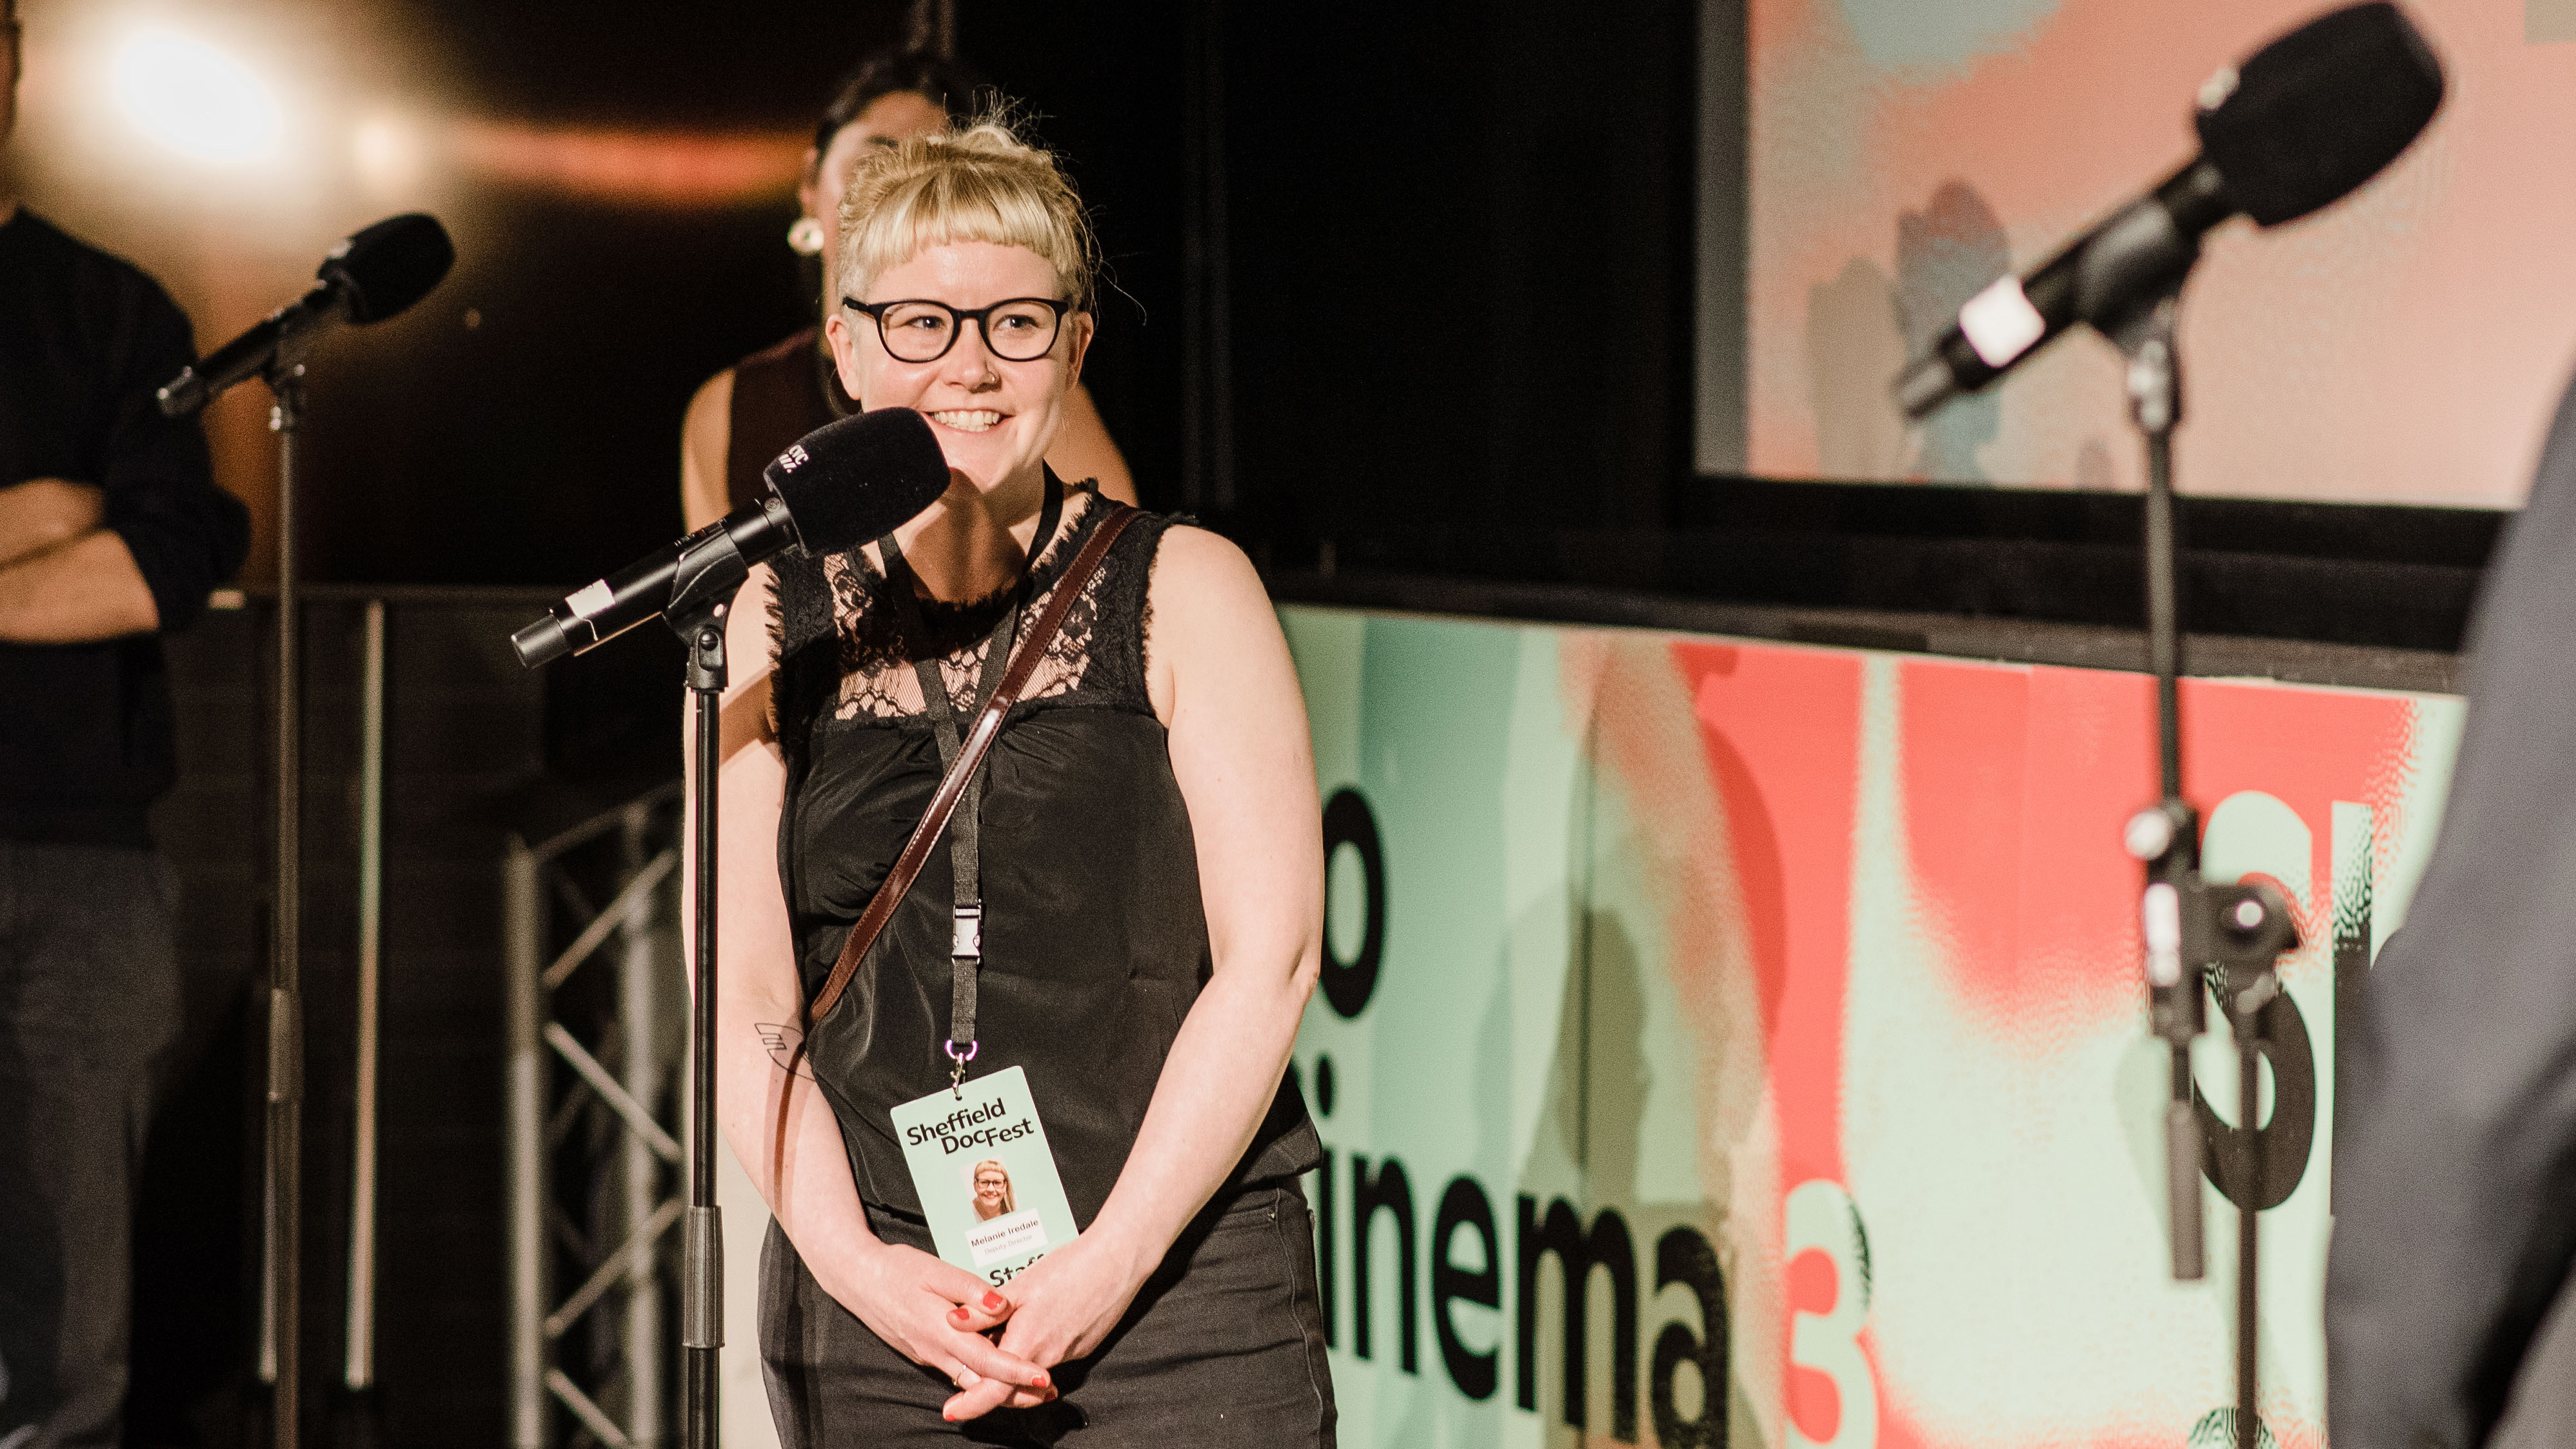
965, 833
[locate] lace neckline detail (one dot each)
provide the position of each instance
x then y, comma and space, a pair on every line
877, 648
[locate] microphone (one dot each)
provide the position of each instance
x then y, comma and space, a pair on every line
841, 485
369, 276
2299, 125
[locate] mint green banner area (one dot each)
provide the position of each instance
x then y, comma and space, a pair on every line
1518, 1082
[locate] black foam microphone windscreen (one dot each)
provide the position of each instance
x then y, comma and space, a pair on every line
2301, 123
859, 478
384, 268
840, 486
2313, 115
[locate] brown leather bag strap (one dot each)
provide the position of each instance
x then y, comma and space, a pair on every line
979, 740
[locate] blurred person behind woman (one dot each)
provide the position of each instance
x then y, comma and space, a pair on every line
748, 414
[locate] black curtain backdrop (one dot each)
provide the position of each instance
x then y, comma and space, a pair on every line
537, 440
523, 424
1462, 267
1455, 253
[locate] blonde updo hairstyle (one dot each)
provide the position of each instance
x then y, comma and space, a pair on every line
979, 184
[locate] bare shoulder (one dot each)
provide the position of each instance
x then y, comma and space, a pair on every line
750, 650
1206, 570
1211, 633
708, 407
750, 657
706, 434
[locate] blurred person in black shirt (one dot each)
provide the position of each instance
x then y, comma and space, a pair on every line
111, 531
2450, 1303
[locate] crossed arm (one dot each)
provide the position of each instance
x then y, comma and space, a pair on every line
64, 578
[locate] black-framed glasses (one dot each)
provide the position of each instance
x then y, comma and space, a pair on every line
1019, 330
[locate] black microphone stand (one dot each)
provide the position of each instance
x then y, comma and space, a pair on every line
373, 274
281, 1284
703, 584
2199, 936
701, 599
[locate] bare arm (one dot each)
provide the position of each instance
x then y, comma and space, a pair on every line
44, 513
1084, 449
76, 593
756, 992
706, 436
1224, 683
781, 1128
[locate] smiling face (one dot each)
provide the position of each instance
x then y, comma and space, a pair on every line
991, 1185
994, 418
889, 120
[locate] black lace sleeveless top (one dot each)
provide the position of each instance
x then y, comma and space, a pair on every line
1095, 942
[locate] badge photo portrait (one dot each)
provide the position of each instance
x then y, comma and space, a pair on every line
1002, 1228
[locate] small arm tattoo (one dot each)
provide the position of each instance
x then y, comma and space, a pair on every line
786, 1046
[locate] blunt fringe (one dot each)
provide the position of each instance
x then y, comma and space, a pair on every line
981, 183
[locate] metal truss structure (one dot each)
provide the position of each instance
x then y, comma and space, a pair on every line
595, 1180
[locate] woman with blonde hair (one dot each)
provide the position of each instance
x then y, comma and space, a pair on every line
1140, 856
747, 414
993, 1190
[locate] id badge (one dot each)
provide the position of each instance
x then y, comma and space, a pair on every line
986, 1176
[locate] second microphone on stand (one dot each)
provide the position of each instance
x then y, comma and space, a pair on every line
369, 276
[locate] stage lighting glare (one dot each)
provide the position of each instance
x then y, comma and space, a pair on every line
195, 99
387, 153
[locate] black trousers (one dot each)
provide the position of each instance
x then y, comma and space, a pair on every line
1223, 1347
89, 1003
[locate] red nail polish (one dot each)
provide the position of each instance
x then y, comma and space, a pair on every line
993, 1302
1041, 1380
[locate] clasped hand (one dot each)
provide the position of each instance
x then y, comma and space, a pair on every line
1061, 1307
939, 1316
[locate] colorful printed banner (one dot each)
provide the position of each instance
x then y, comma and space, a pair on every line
1744, 1044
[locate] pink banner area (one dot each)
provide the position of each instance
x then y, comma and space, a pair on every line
1819, 968
1926, 856
2403, 345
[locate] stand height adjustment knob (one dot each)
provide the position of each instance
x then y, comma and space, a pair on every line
2149, 833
